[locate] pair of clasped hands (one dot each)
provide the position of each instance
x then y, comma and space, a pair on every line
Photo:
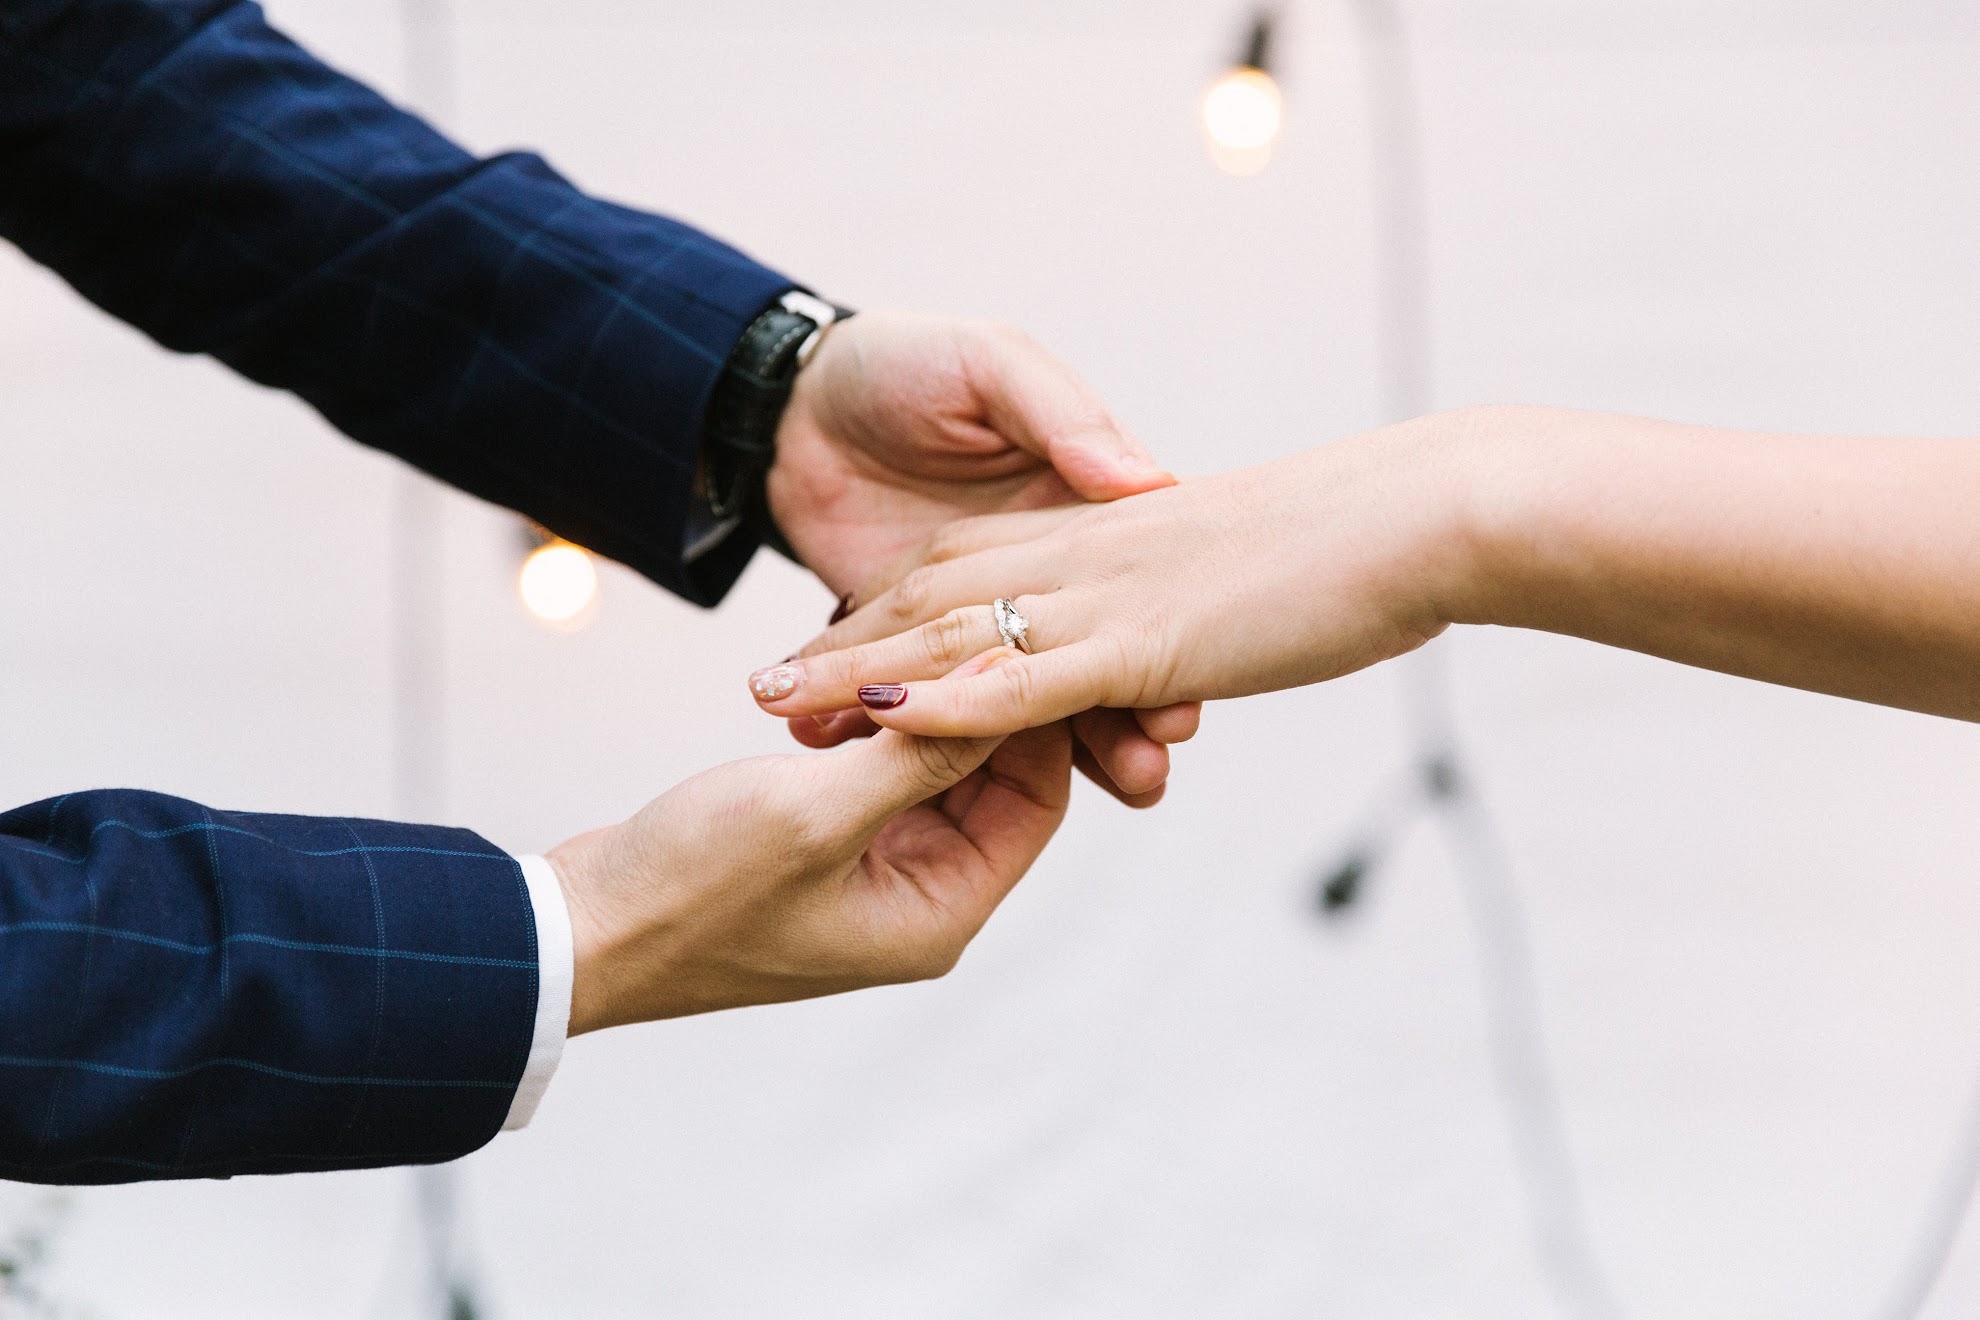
925, 469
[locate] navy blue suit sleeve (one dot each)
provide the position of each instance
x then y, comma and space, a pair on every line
195, 173
195, 993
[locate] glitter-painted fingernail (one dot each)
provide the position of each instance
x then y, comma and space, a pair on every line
882, 696
776, 682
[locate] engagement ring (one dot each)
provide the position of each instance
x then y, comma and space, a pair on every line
1012, 626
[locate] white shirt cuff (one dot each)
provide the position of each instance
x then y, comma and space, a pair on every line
556, 964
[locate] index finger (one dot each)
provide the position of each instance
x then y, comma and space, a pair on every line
929, 592
1023, 692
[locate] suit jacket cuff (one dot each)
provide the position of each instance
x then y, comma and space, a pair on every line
555, 969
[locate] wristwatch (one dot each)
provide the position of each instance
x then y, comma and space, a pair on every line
739, 437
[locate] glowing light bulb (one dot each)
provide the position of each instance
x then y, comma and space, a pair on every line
559, 585
1242, 115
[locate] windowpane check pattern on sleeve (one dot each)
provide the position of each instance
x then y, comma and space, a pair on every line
197, 993
192, 171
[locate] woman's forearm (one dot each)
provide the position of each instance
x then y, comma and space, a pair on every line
1847, 566
1843, 566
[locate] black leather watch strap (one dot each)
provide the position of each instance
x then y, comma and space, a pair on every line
739, 437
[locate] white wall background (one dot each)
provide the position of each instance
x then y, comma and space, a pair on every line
1157, 1087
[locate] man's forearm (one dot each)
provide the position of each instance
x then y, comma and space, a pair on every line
1839, 565
193, 172
190, 993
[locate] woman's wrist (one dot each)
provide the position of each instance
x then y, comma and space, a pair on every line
1493, 508
1439, 480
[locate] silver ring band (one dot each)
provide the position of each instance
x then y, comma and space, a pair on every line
1012, 626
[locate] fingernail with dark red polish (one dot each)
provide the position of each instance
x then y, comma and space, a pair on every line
882, 696
845, 608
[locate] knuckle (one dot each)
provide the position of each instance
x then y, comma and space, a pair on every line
1148, 664
909, 599
940, 762
946, 641
832, 669
1019, 686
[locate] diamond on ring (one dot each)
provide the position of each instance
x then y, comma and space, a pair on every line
1012, 626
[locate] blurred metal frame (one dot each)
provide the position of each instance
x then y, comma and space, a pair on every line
419, 685
1439, 780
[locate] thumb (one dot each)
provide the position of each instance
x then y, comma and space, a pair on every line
892, 771
1040, 405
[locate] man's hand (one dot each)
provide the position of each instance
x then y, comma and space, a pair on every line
901, 426
797, 876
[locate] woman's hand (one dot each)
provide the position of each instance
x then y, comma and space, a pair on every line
791, 877
904, 424
1273, 577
